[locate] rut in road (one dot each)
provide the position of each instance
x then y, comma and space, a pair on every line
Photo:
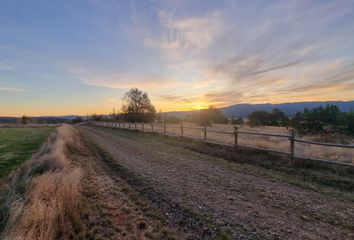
244, 204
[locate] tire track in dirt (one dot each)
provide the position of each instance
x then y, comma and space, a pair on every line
243, 204
116, 211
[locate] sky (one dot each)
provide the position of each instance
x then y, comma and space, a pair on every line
81, 56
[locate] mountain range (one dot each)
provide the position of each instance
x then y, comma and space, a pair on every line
237, 110
244, 109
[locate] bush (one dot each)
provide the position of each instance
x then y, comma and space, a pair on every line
238, 121
77, 120
173, 120
327, 119
264, 118
206, 117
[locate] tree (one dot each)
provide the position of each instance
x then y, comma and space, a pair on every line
173, 119
316, 120
278, 118
259, 118
263, 118
98, 118
24, 119
238, 121
78, 119
328, 119
208, 116
138, 107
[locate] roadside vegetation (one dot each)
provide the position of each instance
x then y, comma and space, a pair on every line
18, 144
41, 199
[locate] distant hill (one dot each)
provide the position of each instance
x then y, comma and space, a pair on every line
8, 119
242, 110
44, 119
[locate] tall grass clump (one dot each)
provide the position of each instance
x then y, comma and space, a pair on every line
41, 200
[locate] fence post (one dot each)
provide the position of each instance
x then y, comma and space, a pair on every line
129, 126
135, 126
236, 135
182, 129
292, 146
164, 126
142, 126
205, 133
152, 127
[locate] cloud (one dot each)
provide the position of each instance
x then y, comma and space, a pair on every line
179, 99
221, 54
12, 89
5, 66
178, 38
122, 80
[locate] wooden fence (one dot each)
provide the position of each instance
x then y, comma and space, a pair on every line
151, 127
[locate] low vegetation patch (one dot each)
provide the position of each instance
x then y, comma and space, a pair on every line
41, 200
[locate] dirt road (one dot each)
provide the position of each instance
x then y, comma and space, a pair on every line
208, 197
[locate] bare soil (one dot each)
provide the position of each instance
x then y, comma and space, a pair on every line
149, 189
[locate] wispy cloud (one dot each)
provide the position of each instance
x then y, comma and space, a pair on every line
121, 80
5, 66
179, 37
178, 99
12, 89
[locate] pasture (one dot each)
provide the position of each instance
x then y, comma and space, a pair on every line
17, 144
223, 133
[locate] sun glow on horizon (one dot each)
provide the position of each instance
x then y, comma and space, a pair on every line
187, 56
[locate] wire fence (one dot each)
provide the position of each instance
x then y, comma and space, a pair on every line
288, 144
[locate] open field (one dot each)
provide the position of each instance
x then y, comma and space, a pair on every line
18, 144
281, 144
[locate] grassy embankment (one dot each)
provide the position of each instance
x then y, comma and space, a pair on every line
40, 199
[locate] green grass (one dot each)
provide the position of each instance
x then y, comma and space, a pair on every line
18, 144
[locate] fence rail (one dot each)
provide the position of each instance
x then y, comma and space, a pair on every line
204, 131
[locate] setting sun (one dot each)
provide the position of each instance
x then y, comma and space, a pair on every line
199, 105
176, 119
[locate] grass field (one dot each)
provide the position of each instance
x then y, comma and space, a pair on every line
18, 144
267, 142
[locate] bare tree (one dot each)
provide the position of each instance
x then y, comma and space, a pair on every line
138, 107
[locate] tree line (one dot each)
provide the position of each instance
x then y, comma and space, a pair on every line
328, 119
137, 107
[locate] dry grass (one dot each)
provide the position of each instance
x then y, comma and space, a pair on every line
272, 143
48, 208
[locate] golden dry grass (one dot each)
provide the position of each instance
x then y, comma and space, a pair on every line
266, 142
49, 208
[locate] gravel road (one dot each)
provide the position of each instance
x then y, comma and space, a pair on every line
243, 204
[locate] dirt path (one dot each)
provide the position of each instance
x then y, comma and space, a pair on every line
197, 193
113, 209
